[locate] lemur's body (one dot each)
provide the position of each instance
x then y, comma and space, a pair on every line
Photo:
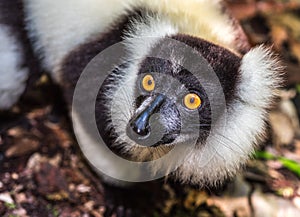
67, 35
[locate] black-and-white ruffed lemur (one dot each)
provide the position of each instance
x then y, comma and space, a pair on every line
64, 36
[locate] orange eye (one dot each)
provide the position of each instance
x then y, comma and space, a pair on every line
148, 83
192, 101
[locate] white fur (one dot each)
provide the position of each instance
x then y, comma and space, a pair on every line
259, 71
200, 18
100, 157
143, 35
58, 27
12, 75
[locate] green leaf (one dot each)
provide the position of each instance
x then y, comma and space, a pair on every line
298, 88
264, 155
10, 205
290, 165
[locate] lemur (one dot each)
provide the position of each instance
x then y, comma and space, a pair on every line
168, 99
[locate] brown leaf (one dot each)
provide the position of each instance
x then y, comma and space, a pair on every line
22, 146
232, 206
52, 182
282, 129
279, 36
289, 21
293, 75
195, 198
296, 51
243, 11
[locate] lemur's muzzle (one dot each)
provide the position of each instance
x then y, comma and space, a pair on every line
145, 128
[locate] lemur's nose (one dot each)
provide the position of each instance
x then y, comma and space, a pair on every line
140, 125
139, 128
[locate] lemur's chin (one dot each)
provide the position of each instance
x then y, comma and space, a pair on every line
145, 154
150, 140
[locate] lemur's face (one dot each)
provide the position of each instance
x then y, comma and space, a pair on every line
150, 106
160, 103
171, 106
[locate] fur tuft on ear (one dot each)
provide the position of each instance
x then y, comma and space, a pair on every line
261, 74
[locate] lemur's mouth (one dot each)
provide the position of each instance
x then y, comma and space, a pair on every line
145, 128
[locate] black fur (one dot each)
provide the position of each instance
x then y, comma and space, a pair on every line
224, 63
75, 62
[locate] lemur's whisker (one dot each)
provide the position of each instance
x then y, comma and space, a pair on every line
235, 145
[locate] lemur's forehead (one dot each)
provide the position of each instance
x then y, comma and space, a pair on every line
156, 65
170, 72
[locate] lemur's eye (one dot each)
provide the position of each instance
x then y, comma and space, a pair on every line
148, 83
192, 101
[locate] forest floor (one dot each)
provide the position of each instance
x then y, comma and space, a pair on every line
42, 171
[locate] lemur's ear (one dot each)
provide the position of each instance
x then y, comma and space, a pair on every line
261, 74
224, 62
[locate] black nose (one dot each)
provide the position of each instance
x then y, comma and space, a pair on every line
140, 125
139, 128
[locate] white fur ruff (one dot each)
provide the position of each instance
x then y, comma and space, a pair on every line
12, 75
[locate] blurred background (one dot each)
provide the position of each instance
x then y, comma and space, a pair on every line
42, 172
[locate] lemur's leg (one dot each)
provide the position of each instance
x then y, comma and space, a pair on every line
14, 68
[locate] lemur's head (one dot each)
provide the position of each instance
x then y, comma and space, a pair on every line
164, 103
178, 92
155, 104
